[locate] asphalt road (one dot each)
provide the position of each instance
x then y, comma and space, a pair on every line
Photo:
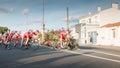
44, 57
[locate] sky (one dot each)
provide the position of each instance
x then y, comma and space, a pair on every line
27, 14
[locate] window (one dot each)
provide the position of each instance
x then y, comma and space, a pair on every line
114, 33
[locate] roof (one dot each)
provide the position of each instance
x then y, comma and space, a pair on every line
111, 25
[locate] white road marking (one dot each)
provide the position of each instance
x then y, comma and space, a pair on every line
105, 53
117, 61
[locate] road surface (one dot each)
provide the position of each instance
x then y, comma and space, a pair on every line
45, 57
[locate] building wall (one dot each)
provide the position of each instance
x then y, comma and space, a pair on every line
106, 36
91, 23
104, 17
109, 16
90, 19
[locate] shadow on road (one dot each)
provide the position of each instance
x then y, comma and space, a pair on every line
46, 63
17, 58
87, 47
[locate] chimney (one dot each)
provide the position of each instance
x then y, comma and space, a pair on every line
115, 5
99, 8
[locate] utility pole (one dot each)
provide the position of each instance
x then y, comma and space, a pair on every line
43, 25
67, 8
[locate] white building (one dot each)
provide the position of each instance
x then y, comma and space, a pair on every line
92, 31
112, 34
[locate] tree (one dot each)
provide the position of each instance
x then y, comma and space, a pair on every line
3, 29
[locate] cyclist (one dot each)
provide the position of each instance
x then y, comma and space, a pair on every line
17, 38
25, 39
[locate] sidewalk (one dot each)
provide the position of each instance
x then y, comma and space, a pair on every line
102, 46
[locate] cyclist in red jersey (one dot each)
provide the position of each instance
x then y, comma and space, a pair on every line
35, 37
25, 39
17, 38
8, 40
62, 39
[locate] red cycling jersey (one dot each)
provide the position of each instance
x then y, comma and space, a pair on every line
62, 36
25, 35
17, 36
9, 37
31, 35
